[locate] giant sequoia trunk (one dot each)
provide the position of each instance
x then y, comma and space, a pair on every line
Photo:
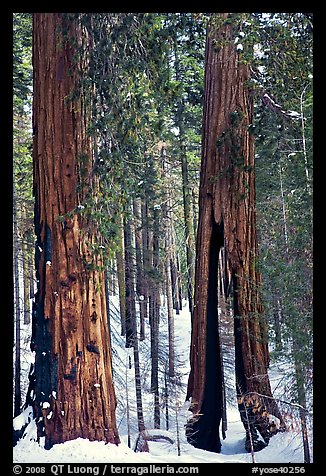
227, 219
74, 394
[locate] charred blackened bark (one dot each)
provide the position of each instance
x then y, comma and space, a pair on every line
74, 395
203, 429
227, 203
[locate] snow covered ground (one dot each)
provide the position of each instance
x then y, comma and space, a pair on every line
283, 448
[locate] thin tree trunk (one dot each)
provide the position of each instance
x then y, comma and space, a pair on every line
145, 258
188, 230
157, 297
139, 402
17, 399
131, 328
168, 225
177, 429
154, 314
166, 399
175, 283
286, 235
138, 244
170, 317
195, 212
179, 282
139, 267
112, 278
119, 254
277, 317
131, 325
107, 300
299, 374
27, 306
186, 191
304, 142
127, 402
74, 388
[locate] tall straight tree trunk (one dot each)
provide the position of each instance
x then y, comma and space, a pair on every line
168, 229
154, 318
74, 388
277, 317
179, 283
121, 277
175, 282
298, 367
139, 401
129, 281
145, 257
151, 288
140, 284
227, 220
112, 278
27, 306
170, 319
175, 275
25, 256
169, 301
17, 396
107, 300
131, 325
300, 377
186, 190
194, 211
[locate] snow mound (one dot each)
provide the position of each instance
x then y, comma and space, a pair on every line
173, 447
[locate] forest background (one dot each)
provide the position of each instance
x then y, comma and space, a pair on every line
162, 125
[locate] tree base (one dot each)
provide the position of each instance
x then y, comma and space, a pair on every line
257, 441
203, 433
255, 444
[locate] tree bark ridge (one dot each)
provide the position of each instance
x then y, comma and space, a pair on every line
227, 219
74, 387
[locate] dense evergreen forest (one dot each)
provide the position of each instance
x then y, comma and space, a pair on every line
162, 168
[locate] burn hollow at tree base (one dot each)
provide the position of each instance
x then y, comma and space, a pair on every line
203, 433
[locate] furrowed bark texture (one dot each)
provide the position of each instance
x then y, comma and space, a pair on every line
227, 219
74, 388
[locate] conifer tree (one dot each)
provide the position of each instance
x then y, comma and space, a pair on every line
73, 374
227, 220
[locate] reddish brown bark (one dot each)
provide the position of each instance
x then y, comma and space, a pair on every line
227, 218
70, 332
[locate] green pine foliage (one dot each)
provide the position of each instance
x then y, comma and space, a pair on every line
22, 131
284, 185
143, 72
